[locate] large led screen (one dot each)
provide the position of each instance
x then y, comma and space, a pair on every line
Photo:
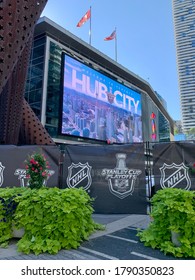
97, 107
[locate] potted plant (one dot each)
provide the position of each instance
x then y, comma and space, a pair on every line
36, 170
173, 223
52, 218
8, 207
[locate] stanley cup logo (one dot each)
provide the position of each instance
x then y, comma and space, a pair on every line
121, 185
121, 179
121, 164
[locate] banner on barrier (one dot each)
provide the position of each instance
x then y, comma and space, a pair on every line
172, 165
12, 166
113, 175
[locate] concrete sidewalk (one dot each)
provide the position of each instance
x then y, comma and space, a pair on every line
112, 223
117, 222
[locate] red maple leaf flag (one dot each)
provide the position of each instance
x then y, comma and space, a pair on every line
84, 18
111, 37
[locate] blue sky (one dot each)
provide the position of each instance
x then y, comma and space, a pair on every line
145, 38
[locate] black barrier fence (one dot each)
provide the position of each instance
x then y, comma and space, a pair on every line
114, 175
121, 178
173, 165
12, 164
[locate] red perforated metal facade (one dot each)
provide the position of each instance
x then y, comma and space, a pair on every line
18, 123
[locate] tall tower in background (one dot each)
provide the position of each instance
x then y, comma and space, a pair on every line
184, 25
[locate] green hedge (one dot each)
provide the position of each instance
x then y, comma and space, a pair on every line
53, 219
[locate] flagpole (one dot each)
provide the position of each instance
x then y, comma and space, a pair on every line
90, 28
115, 45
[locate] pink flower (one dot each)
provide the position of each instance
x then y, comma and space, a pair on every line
32, 161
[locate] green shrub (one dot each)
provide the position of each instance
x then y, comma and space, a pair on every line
53, 219
7, 210
172, 210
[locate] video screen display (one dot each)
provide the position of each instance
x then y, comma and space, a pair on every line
97, 107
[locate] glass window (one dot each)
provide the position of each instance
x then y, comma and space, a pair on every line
39, 41
190, 11
192, 27
164, 129
38, 51
34, 82
53, 89
183, 34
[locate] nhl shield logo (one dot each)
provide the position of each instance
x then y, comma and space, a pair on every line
175, 176
121, 180
1, 174
79, 175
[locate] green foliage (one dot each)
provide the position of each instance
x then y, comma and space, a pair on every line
7, 210
36, 170
53, 219
172, 210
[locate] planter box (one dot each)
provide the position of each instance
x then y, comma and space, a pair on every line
17, 233
175, 238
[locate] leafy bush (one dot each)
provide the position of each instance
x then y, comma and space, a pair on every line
7, 210
53, 219
172, 210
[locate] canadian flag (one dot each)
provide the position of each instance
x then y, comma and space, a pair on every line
111, 37
84, 18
